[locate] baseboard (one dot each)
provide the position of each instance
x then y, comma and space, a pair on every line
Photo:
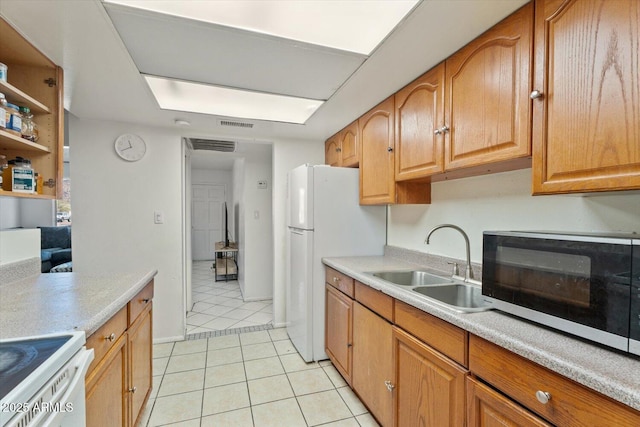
256, 299
168, 339
280, 325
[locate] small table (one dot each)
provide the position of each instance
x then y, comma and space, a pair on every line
226, 261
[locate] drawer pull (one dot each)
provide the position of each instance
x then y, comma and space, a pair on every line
543, 397
336, 279
146, 300
390, 386
111, 337
133, 389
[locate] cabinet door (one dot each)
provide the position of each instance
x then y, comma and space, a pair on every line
377, 185
349, 146
372, 363
106, 398
486, 407
429, 387
332, 152
586, 130
419, 114
140, 358
487, 105
338, 332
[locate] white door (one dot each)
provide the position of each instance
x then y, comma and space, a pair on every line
206, 223
300, 310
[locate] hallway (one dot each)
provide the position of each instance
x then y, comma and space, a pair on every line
218, 308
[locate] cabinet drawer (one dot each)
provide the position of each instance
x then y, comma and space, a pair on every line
102, 340
140, 302
375, 300
571, 404
339, 281
439, 334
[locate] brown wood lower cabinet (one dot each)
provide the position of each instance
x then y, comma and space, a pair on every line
429, 388
118, 383
372, 363
486, 407
338, 332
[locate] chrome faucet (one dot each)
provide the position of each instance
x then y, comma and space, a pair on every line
468, 272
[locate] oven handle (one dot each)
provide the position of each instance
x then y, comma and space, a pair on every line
82, 366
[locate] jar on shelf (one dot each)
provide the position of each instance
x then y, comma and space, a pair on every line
3, 72
14, 119
29, 129
19, 176
3, 165
3, 111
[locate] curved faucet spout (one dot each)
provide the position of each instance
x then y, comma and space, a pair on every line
468, 274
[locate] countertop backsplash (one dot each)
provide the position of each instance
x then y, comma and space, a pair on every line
437, 262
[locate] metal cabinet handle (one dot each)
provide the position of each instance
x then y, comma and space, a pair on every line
389, 149
543, 396
390, 386
336, 279
442, 130
535, 94
133, 389
349, 345
111, 337
146, 300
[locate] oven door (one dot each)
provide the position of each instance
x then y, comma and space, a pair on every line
579, 284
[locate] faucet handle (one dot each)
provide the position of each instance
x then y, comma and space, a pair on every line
456, 269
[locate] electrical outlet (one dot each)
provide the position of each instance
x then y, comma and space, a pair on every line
262, 184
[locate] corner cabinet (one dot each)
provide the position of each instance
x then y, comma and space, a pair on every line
342, 148
118, 383
586, 127
35, 82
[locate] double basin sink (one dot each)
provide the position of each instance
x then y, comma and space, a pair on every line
454, 294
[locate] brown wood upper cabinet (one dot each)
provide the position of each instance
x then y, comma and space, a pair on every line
487, 105
376, 128
419, 113
378, 185
342, 148
586, 123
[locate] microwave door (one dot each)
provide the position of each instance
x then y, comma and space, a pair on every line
634, 333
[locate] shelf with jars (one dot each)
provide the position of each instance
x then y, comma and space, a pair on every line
34, 83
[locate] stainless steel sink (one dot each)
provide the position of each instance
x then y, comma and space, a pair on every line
458, 296
411, 278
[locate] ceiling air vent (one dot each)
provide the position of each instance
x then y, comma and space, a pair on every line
236, 124
213, 145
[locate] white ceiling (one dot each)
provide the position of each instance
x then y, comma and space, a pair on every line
103, 80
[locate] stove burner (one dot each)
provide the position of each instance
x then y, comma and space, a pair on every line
18, 359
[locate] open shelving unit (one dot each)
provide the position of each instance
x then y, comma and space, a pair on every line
36, 82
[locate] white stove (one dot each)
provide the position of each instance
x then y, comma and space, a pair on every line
42, 380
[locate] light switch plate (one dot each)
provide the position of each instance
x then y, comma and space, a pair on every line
158, 217
262, 184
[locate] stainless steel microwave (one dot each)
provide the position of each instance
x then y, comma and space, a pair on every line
585, 284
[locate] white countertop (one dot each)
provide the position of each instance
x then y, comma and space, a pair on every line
611, 373
59, 302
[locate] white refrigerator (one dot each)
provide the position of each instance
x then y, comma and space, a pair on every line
324, 219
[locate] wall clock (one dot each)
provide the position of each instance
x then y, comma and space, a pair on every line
130, 147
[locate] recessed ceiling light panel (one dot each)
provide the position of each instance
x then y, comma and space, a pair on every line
352, 25
208, 99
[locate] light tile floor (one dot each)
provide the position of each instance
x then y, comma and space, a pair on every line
219, 305
254, 379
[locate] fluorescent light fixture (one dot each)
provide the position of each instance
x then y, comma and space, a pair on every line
208, 99
352, 25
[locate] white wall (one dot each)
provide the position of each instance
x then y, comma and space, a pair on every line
29, 213
113, 206
286, 156
504, 202
256, 214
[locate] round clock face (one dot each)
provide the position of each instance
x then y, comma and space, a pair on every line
130, 147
